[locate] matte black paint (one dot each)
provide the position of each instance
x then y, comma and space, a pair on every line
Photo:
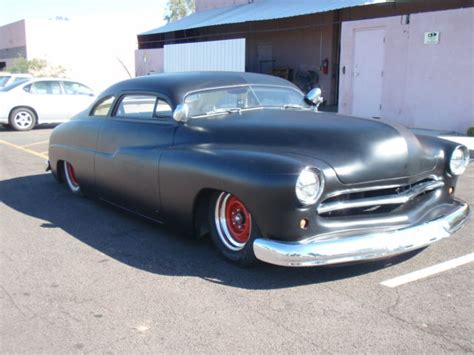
160, 168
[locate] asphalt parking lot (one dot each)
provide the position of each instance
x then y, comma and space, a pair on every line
80, 276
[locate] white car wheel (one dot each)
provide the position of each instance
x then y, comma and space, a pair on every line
22, 119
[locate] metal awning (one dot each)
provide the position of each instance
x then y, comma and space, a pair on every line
259, 10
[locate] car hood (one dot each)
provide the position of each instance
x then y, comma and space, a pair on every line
359, 150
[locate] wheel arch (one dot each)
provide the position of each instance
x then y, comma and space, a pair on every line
263, 182
24, 106
201, 211
60, 170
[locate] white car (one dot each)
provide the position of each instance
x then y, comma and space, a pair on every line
7, 78
23, 105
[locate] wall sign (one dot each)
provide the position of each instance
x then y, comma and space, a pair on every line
431, 37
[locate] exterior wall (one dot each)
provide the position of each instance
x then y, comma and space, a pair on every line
96, 50
425, 86
149, 61
90, 53
300, 50
203, 5
228, 55
12, 42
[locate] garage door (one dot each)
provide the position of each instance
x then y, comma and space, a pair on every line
228, 55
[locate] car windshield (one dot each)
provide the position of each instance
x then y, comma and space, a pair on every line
241, 98
4, 80
13, 85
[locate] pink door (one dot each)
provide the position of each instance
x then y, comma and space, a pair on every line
369, 50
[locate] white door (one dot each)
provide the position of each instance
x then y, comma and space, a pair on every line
47, 99
369, 49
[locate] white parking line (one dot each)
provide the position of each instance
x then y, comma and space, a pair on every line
435, 269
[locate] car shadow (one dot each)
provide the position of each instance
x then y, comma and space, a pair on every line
44, 126
154, 248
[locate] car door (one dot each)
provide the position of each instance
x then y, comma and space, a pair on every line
77, 96
129, 148
47, 99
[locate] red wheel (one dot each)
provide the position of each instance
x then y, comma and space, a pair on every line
238, 221
232, 228
71, 179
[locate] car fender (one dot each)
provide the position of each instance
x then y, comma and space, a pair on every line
263, 180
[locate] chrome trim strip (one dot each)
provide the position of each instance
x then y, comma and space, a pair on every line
373, 188
382, 200
363, 247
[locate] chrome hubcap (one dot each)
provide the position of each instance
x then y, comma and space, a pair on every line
233, 222
23, 119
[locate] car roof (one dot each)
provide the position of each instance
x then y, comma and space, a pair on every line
176, 85
34, 80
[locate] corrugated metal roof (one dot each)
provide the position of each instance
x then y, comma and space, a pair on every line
259, 10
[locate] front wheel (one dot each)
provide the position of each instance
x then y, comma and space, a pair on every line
232, 228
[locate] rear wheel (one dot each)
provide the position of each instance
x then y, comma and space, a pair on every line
22, 119
232, 228
71, 179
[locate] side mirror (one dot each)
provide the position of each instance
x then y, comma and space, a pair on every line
314, 97
181, 113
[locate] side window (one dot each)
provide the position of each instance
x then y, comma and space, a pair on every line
27, 88
103, 107
137, 106
72, 88
163, 110
46, 88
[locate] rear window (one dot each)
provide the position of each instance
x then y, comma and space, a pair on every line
72, 88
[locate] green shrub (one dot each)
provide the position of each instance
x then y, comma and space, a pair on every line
470, 131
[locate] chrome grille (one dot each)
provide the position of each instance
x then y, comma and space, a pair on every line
378, 200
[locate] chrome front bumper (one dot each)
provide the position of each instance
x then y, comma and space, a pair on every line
362, 247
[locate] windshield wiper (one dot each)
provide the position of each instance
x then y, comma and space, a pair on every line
291, 106
224, 110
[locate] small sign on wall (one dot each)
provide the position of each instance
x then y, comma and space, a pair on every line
431, 37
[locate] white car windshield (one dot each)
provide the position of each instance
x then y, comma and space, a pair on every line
241, 98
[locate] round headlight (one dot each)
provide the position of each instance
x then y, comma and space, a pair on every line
309, 186
459, 160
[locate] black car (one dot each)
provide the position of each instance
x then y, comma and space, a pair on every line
248, 159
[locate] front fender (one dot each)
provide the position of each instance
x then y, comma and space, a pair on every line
263, 180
